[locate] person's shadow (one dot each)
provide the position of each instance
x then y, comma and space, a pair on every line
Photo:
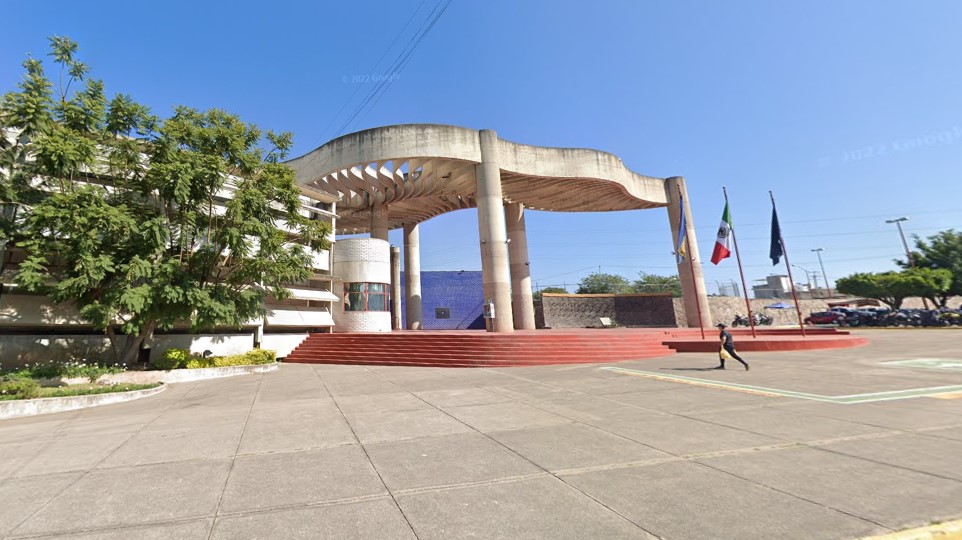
688, 368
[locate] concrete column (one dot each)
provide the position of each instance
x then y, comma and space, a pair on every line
395, 288
522, 302
495, 273
692, 288
379, 225
412, 276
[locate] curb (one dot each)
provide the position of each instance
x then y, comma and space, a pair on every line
30, 407
950, 530
188, 375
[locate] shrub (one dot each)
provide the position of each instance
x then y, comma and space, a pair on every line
172, 359
19, 388
257, 356
198, 362
60, 370
261, 356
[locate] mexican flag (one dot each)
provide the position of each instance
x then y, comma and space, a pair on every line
722, 245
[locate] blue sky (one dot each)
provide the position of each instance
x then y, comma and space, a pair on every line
851, 112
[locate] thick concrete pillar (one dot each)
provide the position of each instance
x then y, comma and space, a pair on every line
379, 220
692, 281
412, 276
395, 288
522, 302
495, 273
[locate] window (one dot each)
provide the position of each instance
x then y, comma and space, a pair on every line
366, 297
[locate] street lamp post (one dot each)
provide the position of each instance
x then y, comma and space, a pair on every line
818, 251
808, 277
898, 224
908, 254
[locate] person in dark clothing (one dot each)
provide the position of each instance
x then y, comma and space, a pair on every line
727, 345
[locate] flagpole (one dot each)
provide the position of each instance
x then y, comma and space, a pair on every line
748, 304
691, 263
788, 267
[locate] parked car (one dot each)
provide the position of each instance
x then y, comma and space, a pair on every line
827, 317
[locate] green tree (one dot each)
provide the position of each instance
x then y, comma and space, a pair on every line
941, 251
141, 223
538, 294
652, 283
601, 283
893, 288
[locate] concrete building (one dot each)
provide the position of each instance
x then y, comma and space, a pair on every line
33, 328
397, 177
775, 286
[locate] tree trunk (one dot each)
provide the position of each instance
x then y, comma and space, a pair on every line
126, 347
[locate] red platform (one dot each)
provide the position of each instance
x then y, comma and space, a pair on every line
473, 348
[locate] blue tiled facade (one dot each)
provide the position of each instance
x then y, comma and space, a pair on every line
459, 292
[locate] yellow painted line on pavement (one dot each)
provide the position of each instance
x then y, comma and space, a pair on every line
703, 383
950, 530
950, 395
776, 392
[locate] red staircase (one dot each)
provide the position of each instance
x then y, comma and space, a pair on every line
454, 348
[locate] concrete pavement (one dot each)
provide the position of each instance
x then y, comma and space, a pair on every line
544, 452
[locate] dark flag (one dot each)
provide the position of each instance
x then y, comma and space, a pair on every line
775, 251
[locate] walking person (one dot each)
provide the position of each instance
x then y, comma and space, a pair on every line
727, 347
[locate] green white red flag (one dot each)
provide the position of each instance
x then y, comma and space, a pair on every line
722, 242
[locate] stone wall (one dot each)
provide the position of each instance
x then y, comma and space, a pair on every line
583, 310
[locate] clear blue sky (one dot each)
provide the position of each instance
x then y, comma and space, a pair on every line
851, 112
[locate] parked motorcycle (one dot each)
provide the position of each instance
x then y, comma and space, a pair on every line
759, 319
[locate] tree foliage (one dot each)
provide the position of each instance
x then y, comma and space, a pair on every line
652, 283
145, 223
893, 288
941, 251
538, 294
602, 283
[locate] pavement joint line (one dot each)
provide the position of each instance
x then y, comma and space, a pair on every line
312, 504
464, 485
366, 454
233, 459
84, 473
775, 392
131, 527
549, 473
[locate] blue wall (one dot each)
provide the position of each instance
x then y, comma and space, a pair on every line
459, 291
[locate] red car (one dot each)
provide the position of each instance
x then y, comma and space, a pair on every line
827, 317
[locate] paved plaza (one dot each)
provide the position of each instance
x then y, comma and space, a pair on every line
654, 448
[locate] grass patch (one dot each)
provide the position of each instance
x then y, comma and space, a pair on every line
32, 392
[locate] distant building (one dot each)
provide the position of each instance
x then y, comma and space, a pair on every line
774, 287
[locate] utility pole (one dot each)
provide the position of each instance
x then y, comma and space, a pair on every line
908, 253
818, 251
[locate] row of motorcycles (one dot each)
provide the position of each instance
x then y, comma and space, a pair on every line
760, 319
907, 317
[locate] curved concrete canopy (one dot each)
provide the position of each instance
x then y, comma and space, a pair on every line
424, 170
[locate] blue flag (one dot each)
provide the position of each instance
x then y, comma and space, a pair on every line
775, 251
680, 247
